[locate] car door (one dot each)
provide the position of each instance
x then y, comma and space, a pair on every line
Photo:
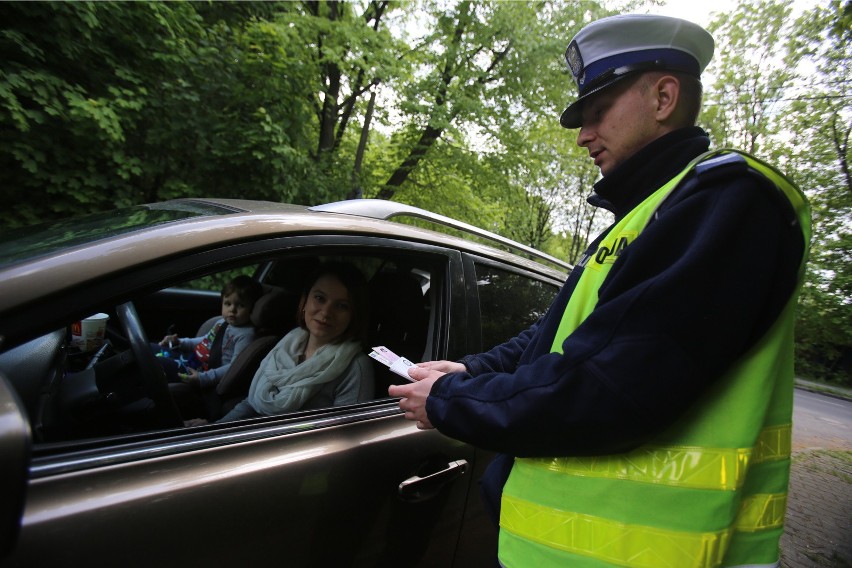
355, 485
315, 490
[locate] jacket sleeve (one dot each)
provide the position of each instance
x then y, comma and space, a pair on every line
212, 377
700, 285
187, 344
241, 341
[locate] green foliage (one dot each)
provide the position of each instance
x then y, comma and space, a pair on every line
105, 104
216, 282
558, 175
819, 156
823, 334
70, 97
482, 71
744, 108
108, 104
842, 27
782, 92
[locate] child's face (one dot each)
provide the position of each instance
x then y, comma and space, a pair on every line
235, 311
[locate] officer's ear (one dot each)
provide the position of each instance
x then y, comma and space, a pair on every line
667, 94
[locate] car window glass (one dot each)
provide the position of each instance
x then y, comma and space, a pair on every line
75, 390
216, 281
26, 243
509, 302
401, 297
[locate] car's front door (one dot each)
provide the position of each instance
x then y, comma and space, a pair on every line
352, 485
357, 486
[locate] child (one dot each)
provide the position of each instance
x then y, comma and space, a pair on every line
207, 363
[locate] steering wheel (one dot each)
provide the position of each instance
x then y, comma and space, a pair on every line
153, 374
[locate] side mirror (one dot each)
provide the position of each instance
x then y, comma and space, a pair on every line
15, 445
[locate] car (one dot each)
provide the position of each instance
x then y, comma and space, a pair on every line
99, 467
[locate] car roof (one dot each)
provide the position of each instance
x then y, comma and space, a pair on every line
86, 248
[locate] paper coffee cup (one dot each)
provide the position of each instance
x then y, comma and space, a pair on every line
88, 334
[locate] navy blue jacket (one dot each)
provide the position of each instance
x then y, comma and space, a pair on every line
691, 293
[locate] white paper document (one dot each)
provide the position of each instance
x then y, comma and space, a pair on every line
394, 362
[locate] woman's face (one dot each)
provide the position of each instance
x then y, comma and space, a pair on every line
328, 310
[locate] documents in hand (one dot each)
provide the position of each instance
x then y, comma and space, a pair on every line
397, 364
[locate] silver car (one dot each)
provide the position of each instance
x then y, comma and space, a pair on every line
98, 466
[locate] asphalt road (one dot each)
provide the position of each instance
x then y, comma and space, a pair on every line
821, 421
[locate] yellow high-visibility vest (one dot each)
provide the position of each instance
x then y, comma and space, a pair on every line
710, 491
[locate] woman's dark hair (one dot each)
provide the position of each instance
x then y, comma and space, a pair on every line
356, 286
245, 287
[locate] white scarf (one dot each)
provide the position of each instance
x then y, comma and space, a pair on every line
281, 384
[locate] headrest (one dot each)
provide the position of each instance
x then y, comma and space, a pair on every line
271, 310
395, 290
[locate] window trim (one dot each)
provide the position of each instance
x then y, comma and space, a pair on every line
475, 312
75, 455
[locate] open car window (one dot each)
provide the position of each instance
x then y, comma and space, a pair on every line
114, 385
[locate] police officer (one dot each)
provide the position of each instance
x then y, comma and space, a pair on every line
645, 419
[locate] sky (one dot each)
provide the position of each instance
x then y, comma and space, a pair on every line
700, 11
697, 11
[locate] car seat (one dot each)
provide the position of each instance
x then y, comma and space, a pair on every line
398, 320
273, 315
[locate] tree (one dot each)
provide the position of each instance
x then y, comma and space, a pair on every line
486, 69
752, 69
451, 106
480, 84
820, 122
560, 174
111, 104
71, 92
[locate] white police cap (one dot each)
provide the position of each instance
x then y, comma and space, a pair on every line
610, 49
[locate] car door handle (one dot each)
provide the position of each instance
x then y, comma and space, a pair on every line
417, 488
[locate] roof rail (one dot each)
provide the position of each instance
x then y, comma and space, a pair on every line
384, 209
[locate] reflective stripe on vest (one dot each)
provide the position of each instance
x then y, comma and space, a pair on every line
710, 491
696, 467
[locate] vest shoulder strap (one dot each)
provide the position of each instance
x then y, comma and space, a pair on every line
714, 164
727, 160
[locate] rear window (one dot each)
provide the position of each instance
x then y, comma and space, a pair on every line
26, 243
509, 303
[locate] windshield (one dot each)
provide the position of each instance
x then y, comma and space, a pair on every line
30, 242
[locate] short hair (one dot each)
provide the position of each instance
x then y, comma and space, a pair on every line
246, 288
690, 94
356, 286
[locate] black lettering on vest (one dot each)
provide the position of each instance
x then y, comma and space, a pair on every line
618, 245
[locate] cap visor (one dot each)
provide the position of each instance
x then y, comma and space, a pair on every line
572, 117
